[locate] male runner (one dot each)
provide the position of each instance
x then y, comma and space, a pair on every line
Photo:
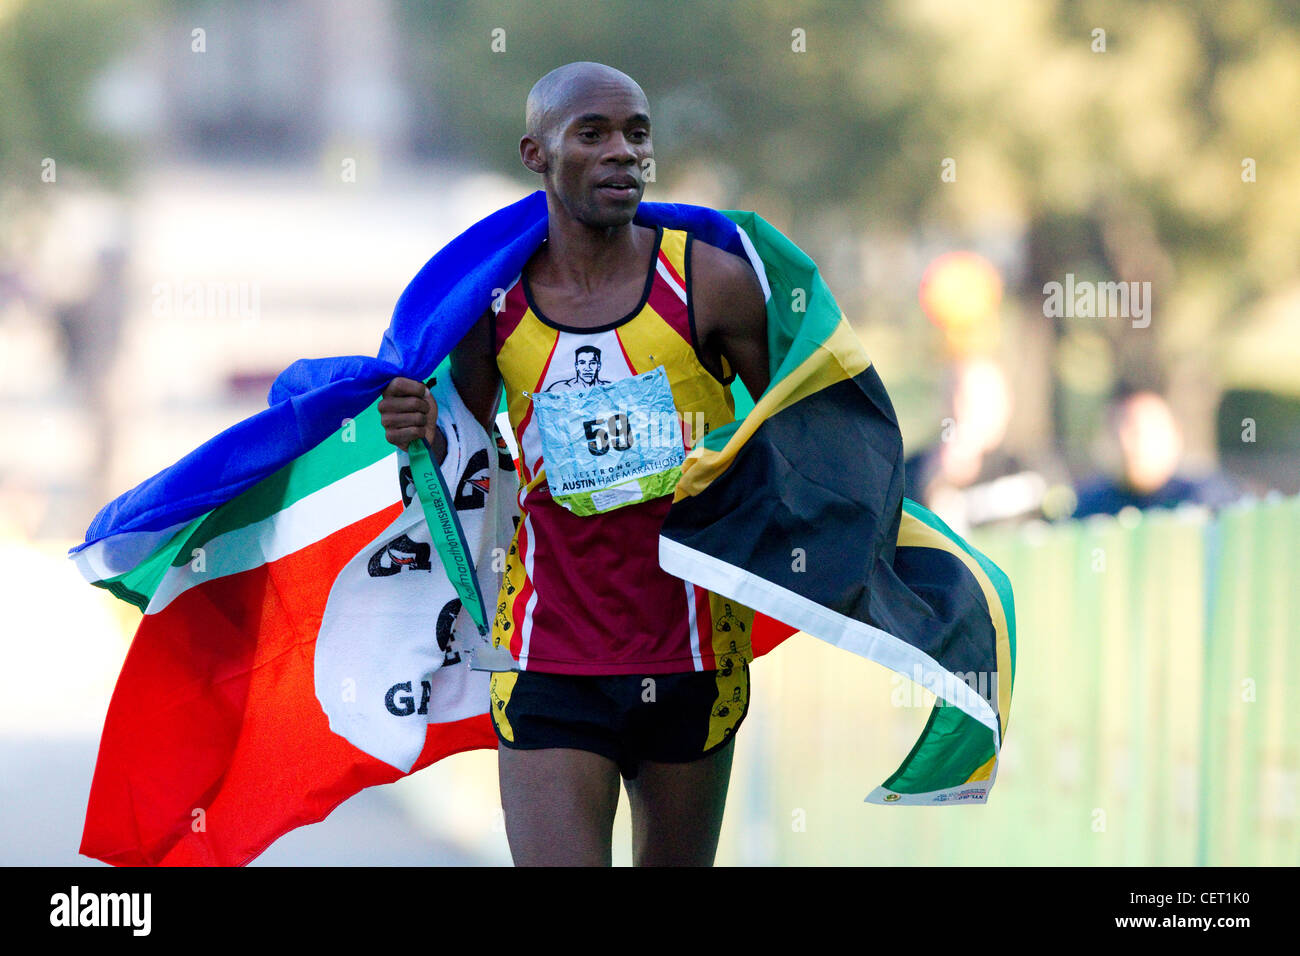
622, 668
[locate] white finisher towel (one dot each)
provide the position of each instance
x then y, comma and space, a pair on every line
395, 645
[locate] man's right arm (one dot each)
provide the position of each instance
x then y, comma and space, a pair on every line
408, 411
475, 374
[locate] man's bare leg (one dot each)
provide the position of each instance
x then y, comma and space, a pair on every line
677, 809
559, 805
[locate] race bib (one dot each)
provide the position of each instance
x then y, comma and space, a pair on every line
611, 445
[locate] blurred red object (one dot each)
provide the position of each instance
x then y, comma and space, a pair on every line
959, 290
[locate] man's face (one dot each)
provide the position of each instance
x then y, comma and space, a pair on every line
587, 367
595, 158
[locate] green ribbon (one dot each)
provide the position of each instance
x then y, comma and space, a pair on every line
448, 536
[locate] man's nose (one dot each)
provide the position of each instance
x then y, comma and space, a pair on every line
620, 149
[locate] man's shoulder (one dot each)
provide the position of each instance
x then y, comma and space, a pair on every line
721, 282
712, 264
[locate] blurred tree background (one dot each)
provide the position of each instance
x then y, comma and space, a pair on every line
50, 55
1144, 142
1115, 156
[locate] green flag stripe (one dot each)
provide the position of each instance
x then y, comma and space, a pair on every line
354, 446
934, 763
138, 585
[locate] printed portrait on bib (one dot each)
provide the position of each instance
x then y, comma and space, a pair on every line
586, 371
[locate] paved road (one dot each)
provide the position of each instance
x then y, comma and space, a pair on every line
43, 793
60, 653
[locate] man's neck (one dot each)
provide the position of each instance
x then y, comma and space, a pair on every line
581, 257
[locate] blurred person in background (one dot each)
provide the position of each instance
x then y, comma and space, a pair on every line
966, 477
1151, 451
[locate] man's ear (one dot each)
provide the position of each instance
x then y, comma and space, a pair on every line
532, 155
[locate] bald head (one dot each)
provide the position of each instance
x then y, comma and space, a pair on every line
556, 94
589, 139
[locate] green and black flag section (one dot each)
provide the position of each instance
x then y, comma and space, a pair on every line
797, 511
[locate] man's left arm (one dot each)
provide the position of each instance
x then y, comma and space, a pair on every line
730, 315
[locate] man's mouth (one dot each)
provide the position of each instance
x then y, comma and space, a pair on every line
621, 186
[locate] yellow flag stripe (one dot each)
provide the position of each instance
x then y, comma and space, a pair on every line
984, 771
839, 358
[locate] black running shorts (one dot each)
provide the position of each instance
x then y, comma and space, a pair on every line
669, 718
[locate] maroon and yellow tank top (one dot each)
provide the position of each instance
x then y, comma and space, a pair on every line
585, 594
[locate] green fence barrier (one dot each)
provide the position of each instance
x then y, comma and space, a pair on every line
1151, 725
